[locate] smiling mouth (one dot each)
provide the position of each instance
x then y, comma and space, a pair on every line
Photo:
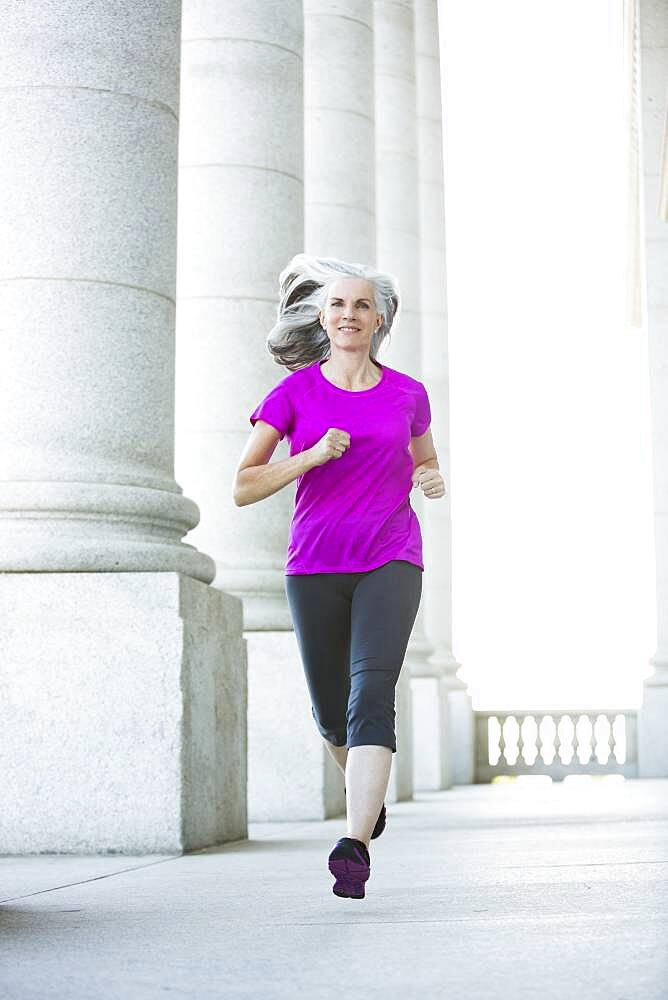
349, 329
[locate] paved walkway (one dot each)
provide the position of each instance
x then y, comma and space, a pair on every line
514, 890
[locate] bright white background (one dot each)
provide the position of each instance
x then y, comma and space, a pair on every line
551, 476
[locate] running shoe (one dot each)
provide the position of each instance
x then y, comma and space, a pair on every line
350, 864
380, 822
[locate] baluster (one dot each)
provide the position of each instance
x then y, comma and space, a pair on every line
557, 739
490, 742
592, 719
612, 743
575, 742
539, 743
521, 719
502, 739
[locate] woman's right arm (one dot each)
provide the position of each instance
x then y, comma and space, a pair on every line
255, 477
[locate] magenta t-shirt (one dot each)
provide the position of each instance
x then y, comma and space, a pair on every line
353, 513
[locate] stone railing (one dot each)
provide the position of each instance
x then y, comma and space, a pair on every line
556, 742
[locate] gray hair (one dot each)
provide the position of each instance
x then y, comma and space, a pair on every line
297, 339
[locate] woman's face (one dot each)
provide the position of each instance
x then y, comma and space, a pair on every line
350, 316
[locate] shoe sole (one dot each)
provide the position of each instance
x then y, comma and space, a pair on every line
350, 877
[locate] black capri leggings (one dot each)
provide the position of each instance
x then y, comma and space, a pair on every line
352, 630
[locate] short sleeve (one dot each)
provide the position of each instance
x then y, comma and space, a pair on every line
275, 409
422, 416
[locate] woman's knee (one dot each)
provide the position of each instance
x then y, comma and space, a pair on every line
333, 732
371, 717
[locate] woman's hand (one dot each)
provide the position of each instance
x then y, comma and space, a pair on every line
430, 481
331, 445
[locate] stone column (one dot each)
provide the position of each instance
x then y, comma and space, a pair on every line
444, 743
339, 170
398, 251
240, 221
653, 716
635, 297
114, 647
339, 166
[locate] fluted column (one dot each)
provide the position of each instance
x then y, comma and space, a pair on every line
444, 734
653, 728
635, 290
339, 167
113, 648
339, 172
88, 199
398, 251
240, 221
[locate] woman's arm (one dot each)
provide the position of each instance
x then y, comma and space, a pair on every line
424, 456
255, 477
423, 451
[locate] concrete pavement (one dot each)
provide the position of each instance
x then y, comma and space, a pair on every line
522, 889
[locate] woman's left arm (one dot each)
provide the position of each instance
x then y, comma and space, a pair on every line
425, 466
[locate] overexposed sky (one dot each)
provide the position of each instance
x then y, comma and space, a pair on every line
550, 477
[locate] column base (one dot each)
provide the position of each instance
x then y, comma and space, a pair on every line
653, 724
123, 714
461, 728
432, 764
291, 774
400, 785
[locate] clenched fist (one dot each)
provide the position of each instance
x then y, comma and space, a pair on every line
331, 445
430, 481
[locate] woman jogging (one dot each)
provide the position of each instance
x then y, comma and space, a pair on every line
359, 442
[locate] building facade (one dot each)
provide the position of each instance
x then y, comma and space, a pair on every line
163, 162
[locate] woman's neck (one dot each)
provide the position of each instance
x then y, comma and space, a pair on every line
351, 373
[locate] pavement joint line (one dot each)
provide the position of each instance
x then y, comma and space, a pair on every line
160, 861
587, 864
515, 918
95, 878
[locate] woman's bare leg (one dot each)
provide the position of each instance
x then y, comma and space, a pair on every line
339, 754
367, 776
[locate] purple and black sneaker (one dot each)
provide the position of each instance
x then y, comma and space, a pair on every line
380, 823
350, 864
